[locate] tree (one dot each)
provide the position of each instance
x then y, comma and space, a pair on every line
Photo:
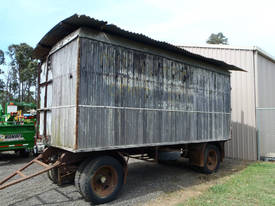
2, 61
3, 92
22, 74
218, 38
2, 57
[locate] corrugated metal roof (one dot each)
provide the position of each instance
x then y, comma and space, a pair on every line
76, 21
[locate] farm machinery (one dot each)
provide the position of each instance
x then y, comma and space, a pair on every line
17, 127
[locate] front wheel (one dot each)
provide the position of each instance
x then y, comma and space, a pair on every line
53, 175
101, 180
212, 159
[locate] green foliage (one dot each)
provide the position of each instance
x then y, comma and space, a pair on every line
2, 57
19, 82
218, 38
22, 74
2, 83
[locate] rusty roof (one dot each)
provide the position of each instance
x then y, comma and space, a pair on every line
69, 25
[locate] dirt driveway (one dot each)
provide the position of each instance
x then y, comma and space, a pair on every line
147, 184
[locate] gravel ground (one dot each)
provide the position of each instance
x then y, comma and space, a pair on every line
145, 183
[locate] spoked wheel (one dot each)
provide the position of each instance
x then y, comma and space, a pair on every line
211, 159
101, 180
104, 181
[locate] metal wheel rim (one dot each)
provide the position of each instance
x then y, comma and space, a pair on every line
212, 159
104, 181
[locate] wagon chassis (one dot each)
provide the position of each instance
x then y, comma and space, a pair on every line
67, 163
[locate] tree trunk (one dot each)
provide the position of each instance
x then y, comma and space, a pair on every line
22, 96
19, 93
29, 92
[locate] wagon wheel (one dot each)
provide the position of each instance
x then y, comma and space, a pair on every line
101, 180
78, 173
104, 181
53, 174
211, 159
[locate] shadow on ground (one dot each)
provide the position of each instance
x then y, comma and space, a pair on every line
7, 158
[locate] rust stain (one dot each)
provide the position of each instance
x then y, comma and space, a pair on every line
38, 101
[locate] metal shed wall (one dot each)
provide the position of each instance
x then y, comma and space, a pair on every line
243, 144
265, 73
132, 98
265, 82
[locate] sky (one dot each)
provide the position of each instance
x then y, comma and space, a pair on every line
179, 22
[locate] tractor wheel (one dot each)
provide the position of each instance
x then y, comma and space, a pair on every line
212, 159
101, 180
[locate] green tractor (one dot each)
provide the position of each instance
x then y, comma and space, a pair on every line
17, 127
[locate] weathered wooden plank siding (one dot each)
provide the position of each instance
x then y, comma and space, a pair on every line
63, 65
128, 97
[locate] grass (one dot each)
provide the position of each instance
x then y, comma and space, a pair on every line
255, 185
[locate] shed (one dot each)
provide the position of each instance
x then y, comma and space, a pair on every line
104, 88
252, 99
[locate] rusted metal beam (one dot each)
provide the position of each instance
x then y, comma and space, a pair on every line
41, 163
38, 102
48, 64
21, 174
38, 160
25, 178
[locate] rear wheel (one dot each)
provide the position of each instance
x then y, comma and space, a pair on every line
101, 180
53, 175
212, 159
